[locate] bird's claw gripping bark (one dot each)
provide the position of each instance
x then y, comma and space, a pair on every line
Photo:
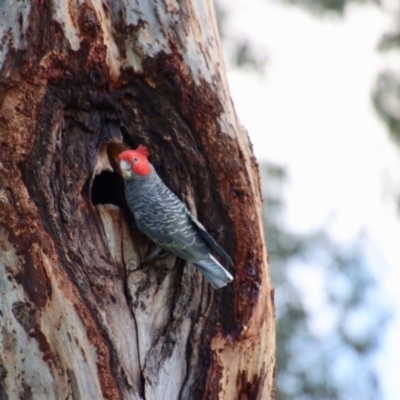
158, 253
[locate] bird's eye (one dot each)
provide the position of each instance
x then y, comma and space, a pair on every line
135, 160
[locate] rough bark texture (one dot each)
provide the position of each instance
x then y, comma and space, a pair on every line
80, 316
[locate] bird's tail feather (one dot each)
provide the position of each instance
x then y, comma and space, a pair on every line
214, 272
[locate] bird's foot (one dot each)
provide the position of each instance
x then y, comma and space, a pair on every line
158, 253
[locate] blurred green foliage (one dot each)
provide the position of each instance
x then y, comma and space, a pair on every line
324, 6
386, 99
386, 91
334, 361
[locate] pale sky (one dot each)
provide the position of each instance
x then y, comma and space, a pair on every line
312, 112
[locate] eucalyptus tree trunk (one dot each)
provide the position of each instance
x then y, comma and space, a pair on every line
81, 316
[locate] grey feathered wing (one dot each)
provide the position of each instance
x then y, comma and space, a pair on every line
208, 239
170, 225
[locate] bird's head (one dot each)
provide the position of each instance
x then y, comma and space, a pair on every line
135, 162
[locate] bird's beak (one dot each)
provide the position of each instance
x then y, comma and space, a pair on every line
125, 169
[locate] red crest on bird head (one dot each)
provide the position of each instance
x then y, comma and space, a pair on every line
143, 150
138, 160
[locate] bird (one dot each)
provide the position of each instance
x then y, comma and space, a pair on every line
164, 218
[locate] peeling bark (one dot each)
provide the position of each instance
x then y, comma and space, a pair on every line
80, 316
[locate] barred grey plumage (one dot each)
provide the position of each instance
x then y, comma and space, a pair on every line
166, 220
